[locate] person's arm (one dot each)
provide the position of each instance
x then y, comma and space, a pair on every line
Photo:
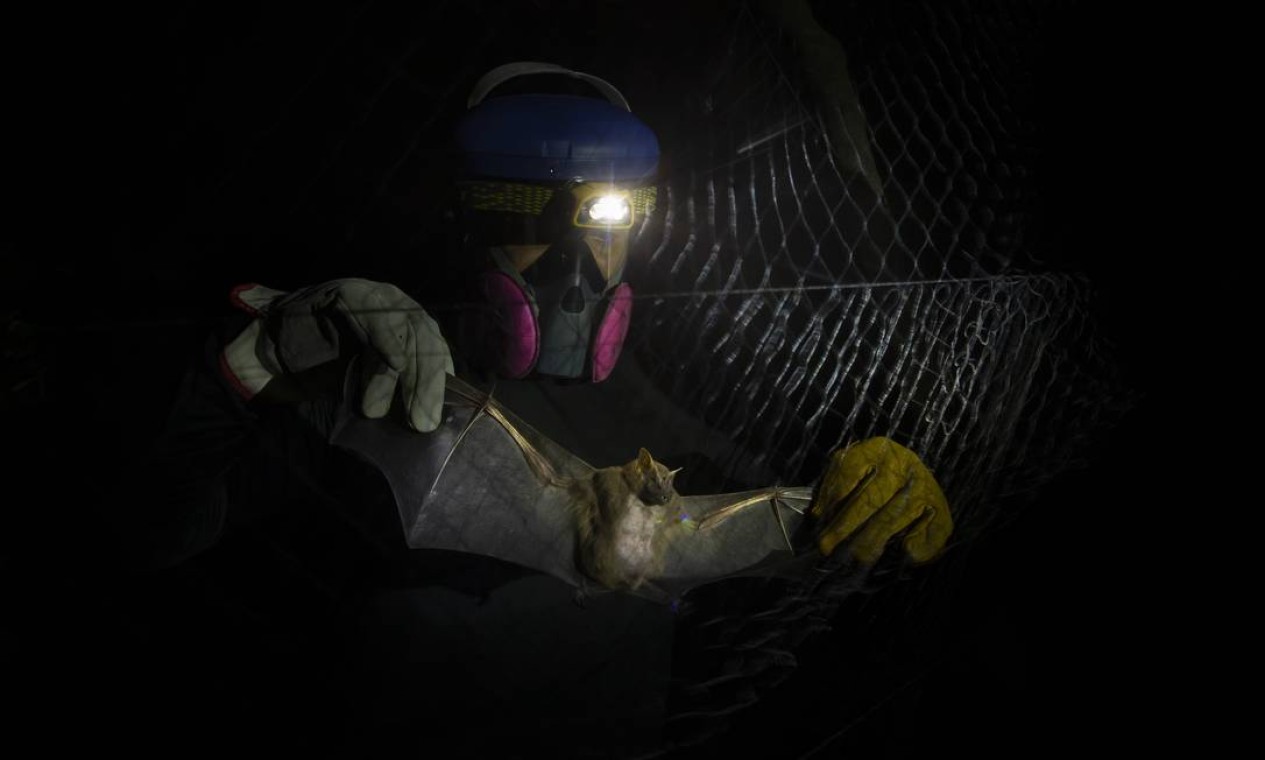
171, 502
262, 383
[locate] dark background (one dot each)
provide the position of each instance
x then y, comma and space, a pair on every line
144, 202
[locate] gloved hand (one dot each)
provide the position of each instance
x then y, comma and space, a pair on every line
399, 344
876, 490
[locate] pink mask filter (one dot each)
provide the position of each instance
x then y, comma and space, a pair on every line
521, 337
611, 332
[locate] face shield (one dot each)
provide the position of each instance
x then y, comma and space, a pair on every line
554, 185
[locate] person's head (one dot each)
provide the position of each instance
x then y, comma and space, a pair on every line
554, 173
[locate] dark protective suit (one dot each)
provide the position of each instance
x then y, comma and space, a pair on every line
410, 647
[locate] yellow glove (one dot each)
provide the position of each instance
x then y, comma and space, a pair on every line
874, 491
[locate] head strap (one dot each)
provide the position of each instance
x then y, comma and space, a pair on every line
501, 74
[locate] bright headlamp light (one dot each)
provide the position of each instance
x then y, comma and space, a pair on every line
607, 209
602, 207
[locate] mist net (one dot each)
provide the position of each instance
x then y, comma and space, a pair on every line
847, 255
844, 255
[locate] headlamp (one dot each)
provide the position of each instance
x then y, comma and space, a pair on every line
606, 208
531, 198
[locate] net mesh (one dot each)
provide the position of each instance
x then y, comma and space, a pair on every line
806, 290
796, 309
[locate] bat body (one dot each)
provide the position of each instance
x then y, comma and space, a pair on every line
624, 521
487, 483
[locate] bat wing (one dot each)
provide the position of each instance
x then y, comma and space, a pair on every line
750, 533
485, 482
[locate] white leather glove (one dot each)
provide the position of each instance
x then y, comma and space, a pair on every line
398, 342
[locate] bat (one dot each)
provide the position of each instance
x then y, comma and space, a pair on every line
486, 482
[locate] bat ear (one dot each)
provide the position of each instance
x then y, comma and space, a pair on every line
644, 460
673, 473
